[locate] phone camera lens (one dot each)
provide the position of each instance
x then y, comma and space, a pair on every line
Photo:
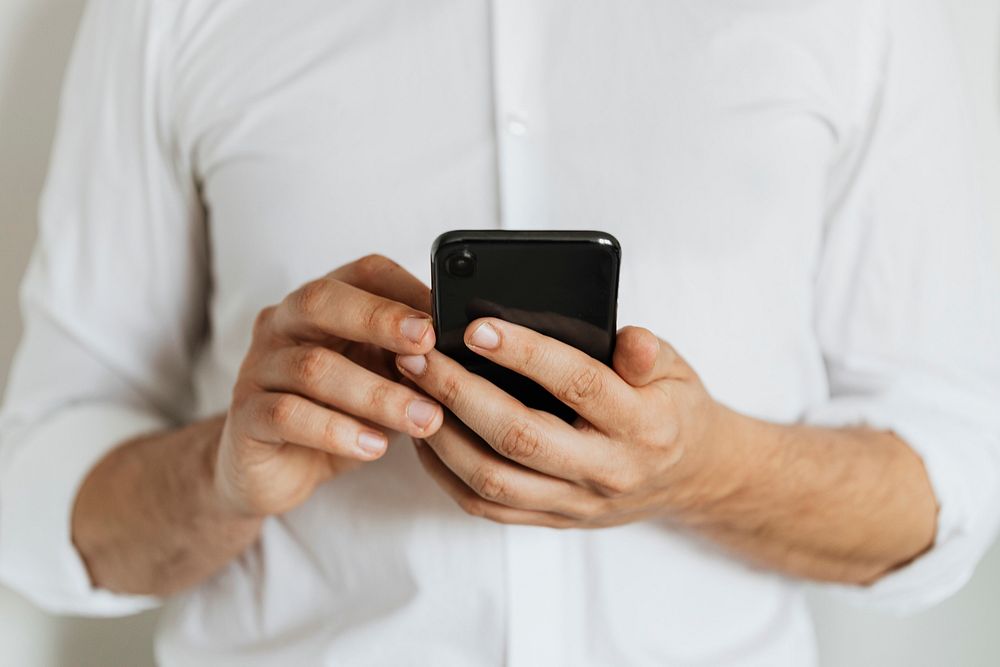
462, 264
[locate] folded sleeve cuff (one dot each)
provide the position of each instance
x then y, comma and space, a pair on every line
962, 461
41, 471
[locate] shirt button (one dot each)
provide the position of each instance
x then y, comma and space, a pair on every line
516, 127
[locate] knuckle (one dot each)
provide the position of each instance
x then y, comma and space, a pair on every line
591, 510
309, 299
668, 432
616, 482
582, 385
262, 323
378, 394
280, 411
373, 315
531, 357
472, 506
519, 440
489, 484
311, 366
647, 430
330, 432
450, 390
372, 265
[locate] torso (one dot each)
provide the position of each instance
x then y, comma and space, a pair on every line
699, 134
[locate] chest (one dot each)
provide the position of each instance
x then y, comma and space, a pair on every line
326, 131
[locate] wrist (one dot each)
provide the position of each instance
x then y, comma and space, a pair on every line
716, 466
220, 500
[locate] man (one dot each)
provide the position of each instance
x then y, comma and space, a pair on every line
206, 411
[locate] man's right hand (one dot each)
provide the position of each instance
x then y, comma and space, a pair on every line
164, 511
317, 387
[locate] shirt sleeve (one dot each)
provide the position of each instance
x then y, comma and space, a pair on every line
113, 301
908, 297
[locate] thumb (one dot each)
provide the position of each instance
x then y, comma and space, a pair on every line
640, 357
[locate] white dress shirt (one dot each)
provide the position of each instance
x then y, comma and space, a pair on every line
790, 183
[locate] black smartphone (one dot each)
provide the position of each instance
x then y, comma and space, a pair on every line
563, 284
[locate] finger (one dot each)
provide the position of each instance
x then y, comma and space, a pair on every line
384, 277
592, 389
641, 358
373, 358
534, 439
501, 481
476, 506
280, 419
328, 307
587, 337
322, 375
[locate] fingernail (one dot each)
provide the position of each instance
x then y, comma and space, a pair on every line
421, 413
415, 328
414, 364
371, 443
485, 336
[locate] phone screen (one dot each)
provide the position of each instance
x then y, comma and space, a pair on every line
561, 284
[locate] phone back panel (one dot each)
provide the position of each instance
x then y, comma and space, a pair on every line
562, 284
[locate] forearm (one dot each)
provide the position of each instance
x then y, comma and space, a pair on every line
147, 519
844, 505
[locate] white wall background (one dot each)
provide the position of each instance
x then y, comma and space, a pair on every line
35, 38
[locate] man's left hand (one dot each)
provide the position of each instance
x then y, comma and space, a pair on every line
619, 462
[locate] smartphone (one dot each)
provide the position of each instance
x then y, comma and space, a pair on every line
563, 284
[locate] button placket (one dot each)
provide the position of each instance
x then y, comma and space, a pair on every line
534, 557
517, 55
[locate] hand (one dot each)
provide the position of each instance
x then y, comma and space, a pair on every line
643, 426
316, 387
